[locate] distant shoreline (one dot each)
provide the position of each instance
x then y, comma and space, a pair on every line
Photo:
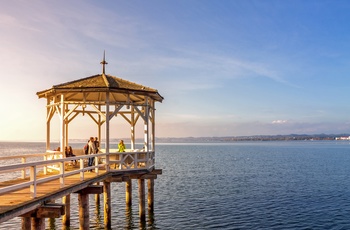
290, 137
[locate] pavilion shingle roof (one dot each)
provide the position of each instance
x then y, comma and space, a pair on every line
101, 82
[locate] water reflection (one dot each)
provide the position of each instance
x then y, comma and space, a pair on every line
98, 217
151, 221
129, 223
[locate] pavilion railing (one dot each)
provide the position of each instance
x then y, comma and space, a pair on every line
64, 167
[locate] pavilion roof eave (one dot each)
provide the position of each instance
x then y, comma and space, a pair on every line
55, 91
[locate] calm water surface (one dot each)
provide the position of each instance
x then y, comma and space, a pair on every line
244, 185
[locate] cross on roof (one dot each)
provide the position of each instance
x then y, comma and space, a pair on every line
103, 62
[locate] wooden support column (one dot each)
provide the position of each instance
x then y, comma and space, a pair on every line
48, 124
153, 141
52, 223
97, 197
107, 131
128, 192
66, 216
50, 213
83, 200
107, 204
62, 125
150, 196
142, 212
26, 223
38, 223
35, 219
132, 126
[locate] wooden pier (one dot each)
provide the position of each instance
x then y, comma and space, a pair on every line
101, 97
18, 200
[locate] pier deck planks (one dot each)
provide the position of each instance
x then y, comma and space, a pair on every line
14, 200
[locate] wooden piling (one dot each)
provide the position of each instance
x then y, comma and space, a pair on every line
52, 223
142, 212
150, 196
26, 223
66, 216
83, 199
107, 204
84, 221
51, 220
38, 223
97, 197
128, 192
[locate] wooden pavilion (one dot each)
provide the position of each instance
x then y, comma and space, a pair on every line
102, 97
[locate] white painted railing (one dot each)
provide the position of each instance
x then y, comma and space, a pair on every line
125, 161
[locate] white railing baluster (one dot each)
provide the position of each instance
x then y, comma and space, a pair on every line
33, 181
24, 169
62, 165
81, 161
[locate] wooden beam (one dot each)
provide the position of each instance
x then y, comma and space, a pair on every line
91, 189
144, 176
157, 171
52, 210
148, 176
115, 179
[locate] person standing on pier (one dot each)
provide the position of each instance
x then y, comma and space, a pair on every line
92, 150
97, 145
121, 146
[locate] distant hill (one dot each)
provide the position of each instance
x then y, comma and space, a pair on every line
289, 137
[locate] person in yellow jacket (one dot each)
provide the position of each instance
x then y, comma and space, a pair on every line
121, 146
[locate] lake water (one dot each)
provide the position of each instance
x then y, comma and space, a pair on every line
243, 185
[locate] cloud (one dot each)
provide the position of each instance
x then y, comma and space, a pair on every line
279, 121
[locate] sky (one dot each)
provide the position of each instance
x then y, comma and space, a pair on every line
224, 68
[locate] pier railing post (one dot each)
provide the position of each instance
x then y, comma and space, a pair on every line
33, 180
45, 166
62, 174
81, 168
96, 164
23, 170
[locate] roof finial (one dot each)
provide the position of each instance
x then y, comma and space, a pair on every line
103, 62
